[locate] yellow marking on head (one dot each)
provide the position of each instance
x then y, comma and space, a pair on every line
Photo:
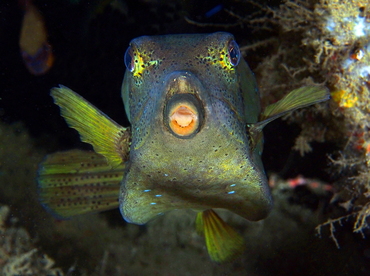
224, 62
142, 61
219, 57
183, 120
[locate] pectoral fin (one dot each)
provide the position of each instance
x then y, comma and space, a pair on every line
77, 182
223, 242
298, 98
106, 136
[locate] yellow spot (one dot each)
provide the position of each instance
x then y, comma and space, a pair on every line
344, 99
143, 61
224, 62
220, 58
183, 119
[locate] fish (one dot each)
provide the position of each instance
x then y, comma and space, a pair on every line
35, 48
194, 141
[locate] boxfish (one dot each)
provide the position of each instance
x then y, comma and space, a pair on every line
194, 140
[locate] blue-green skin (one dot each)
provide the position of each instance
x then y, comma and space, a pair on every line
216, 168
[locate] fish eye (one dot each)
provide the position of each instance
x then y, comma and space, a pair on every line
234, 53
129, 60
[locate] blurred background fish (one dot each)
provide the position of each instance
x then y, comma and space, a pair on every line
34, 46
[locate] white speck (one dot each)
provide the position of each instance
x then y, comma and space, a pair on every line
231, 192
330, 25
153, 203
364, 71
359, 29
348, 62
346, 19
360, 54
232, 185
158, 195
165, 174
145, 191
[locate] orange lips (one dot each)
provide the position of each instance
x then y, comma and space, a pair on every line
183, 119
183, 115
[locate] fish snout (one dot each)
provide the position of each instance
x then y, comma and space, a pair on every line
183, 112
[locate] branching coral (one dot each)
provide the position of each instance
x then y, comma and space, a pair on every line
335, 36
18, 255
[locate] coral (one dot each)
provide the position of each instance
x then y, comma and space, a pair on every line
18, 254
332, 40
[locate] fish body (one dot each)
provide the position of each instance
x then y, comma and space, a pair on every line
214, 166
195, 140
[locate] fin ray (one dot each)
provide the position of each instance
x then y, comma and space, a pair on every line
222, 241
298, 98
106, 136
77, 182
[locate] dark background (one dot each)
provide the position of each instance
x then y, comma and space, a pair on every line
89, 39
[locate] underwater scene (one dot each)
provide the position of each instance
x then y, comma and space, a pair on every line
184, 137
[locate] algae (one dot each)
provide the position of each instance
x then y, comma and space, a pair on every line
332, 40
18, 254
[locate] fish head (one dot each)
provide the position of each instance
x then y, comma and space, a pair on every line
189, 99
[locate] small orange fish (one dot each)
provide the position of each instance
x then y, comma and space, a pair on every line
35, 49
195, 140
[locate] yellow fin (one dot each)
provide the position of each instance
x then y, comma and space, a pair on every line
106, 136
222, 241
77, 182
297, 98
199, 225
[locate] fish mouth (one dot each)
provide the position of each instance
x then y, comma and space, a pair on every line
183, 110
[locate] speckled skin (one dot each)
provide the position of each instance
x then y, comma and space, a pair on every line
215, 168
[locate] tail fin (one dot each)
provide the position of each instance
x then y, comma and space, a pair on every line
223, 242
78, 182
